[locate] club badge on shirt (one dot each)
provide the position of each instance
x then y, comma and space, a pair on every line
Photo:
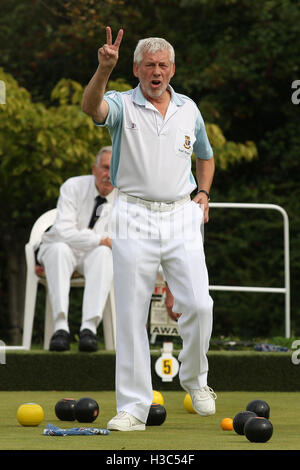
184, 143
187, 142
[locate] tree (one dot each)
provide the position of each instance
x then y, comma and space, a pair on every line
39, 148
42, 146
236, 59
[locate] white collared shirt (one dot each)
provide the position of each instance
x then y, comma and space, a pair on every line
151, 156
74, 208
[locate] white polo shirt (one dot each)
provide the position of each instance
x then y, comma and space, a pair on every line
151, 156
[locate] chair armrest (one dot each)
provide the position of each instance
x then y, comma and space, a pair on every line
30, 257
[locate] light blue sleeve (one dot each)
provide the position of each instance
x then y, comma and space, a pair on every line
115, 104
202, 147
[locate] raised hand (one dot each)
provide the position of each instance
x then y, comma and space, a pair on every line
108, 54
93, 102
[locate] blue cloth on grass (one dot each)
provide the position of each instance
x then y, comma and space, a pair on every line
270, 348
51, 430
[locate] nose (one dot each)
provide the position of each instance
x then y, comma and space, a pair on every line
156, 71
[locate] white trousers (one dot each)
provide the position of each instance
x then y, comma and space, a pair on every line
172, 239
60, 261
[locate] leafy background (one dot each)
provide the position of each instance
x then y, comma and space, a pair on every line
236, 58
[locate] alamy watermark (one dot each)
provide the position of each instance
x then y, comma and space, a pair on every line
2, 92
159, 221
296, 94
296, 353
2, 352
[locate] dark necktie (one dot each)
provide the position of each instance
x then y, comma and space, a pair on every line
99, 200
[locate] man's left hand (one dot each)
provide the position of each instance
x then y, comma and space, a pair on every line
202, 200
169, 303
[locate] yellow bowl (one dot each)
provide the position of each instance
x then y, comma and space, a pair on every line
158, 398
188, 405
30, 414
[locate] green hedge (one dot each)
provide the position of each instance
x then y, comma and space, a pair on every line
229, 371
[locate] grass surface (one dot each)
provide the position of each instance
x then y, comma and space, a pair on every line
180, 431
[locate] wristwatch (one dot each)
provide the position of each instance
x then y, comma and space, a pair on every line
205, 192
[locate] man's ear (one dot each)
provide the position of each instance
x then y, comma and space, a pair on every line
135, 70
173, 71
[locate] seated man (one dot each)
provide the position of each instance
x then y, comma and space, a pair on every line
78, 241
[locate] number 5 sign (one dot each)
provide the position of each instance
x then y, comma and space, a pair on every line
167, 365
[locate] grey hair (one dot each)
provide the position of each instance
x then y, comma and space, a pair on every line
152, 45
108, 148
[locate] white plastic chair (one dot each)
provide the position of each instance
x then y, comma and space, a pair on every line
33, 279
